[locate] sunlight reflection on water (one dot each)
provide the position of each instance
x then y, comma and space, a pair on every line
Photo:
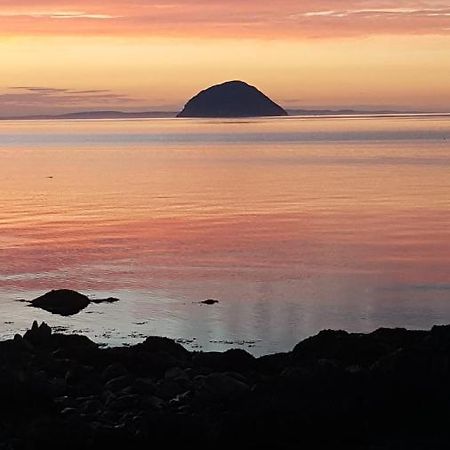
295, 225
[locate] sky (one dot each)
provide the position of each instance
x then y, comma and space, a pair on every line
133, 55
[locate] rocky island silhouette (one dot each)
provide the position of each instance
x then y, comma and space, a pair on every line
231, 99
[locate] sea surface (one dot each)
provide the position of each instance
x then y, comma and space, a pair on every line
294, 224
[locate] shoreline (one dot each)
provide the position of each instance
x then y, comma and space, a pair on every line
383, 390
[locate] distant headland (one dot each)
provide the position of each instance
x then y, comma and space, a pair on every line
231, 99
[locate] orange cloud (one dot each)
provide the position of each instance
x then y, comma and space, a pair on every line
313, 53
253, 18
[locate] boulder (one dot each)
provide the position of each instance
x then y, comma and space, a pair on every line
38, 334
210, 301
237, 360
156, 344
63, 302
346, 348
220, 386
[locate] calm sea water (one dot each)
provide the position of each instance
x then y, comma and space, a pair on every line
294, 224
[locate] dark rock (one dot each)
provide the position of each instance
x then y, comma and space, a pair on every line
156, 344
123, 402
69, 412
231, 99
169, 389
273, 364
38, 334
66, 302
63, 302
21, 344
220, 386
177, 374
113, 371
210, 301
105, 300
237, 360
346, 348
79, 374
119, 383
74, 344
144, 386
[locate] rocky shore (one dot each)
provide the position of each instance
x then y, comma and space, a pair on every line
386, 390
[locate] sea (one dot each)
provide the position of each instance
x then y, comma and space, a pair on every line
294, 224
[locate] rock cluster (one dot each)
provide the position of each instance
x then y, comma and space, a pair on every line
386, 390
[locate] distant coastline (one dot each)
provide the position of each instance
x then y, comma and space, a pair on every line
111, 115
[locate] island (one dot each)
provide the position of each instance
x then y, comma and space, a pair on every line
231, 99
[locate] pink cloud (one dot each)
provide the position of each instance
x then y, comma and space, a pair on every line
230, 18
22, 100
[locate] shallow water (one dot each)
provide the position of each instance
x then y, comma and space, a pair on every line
294, 224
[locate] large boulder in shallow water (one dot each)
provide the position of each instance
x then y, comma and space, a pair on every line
64, 302
231, 99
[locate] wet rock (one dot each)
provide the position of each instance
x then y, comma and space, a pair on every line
119, 383
123, 402
74, 345
220, 386
235, 360
38, 334
168, 389
144, 386
21, 344
155, 344
210, 301
178, 375
79, 374
113, 371
105, 300
66, 412
346, 348
273, 364
64, 302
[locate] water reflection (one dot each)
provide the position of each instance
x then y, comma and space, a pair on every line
291, 235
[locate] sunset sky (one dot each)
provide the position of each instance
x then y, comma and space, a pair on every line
73, 55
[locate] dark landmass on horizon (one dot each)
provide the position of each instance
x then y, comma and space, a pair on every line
95, 115
100, 115
232, 99
389, 389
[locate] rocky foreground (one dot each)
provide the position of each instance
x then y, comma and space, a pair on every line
386, 390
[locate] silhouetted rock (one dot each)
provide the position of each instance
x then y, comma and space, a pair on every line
156, 344
237, 360
38, 334
219, 386
64, 302
105, 300
231, 99
210, 302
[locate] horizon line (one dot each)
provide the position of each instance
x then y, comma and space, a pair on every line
161, 114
